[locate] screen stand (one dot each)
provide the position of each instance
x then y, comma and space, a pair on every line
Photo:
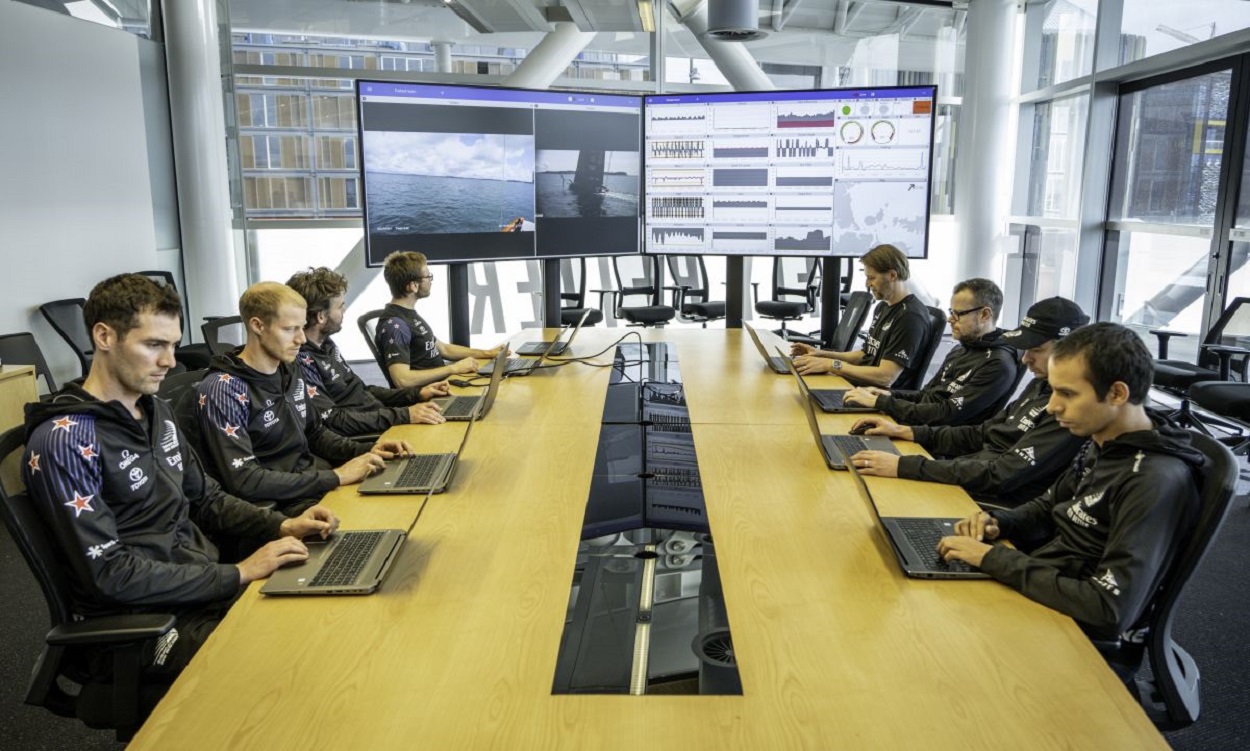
551, 293
458, 302
830, 299
735, 291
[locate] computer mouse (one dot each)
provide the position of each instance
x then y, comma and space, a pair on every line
859, 428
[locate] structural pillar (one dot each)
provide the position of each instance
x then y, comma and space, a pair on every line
982, 201
544, 64
442, 56
734, 60
193, 60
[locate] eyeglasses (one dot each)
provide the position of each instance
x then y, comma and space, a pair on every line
957, 314
425, 277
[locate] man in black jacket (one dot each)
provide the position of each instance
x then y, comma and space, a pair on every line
1112, 523
976, 377
124, 497
261, 439
340, 397
1010, 458
896, 336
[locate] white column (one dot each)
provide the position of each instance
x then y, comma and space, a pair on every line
733, 59
544, 64
442, 56
198, 120
982, 187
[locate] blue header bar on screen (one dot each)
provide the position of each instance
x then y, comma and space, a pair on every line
487, 95
792, 96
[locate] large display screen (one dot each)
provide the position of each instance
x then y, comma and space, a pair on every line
463, 173
796, 173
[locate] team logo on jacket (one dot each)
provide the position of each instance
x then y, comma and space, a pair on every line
958, 401
137, 479
128, 458
1026, 454
299, 391
1107, 581
1137, 461
63, 423
88, 451
33, 463
1090, 500
95, 551
240, 461
80, 504
169, 440
1080, 518
902, 355
312, 392
271, 419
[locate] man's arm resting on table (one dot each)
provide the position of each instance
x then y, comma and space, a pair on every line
405, 376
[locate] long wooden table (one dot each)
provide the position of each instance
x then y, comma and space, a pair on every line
836, 648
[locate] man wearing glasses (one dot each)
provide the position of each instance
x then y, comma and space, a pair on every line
414, 356
1010, 458
975, 378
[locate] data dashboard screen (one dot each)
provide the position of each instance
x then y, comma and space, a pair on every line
822, 173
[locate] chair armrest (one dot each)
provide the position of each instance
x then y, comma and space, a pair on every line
603, 293
1164, 338
755, 293
1226, 353
111, 629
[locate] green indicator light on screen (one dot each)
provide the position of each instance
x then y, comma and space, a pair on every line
846, 110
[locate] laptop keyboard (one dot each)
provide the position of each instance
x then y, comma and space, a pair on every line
420, 470
849, 445
460, 406
924, 535
344, 564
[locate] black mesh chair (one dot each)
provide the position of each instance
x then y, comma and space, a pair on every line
636, 298
368, 325
792, 278
223, 334
22, 349
691, 296
1171, 694
937, 324
67, 319
851, 322
191, 356
1225, 345
573, 294
123, 702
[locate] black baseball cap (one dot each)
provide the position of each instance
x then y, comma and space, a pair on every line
1052, 318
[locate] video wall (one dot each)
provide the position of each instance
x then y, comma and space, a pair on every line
471, 173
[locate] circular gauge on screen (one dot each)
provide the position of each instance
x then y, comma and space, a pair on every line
851, 132
882, 131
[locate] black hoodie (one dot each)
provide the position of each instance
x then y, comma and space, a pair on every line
260, 438
126, 499
1113, 522
974, 380
343, 401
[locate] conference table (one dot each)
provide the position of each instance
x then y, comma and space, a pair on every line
835, 647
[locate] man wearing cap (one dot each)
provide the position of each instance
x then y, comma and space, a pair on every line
1014, 456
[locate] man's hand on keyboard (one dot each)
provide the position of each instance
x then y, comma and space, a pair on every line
434, 391
861, 397
876, 463
466, 366
359, 468
881, 425
960, 548
980, 526
425, 413
317, 520
265, 561
392, 449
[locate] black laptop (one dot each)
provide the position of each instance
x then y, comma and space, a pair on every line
829, 400
914, 540
554, 347
423, 473
838, 449
476, 406
348, 563
778, 364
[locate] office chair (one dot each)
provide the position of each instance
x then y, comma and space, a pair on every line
690, 291
1224, 342
937, 324
214, 336
1172, 697
368, 324
792, 277
854, 314
67, 319
573, 293
645, 279
22, 349
120, 704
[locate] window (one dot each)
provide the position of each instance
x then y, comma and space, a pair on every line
1151, 27
334, 112
1065, 48
1056, 156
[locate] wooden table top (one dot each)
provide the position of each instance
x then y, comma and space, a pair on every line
836, 648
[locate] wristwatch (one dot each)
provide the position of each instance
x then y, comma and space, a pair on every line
837, 364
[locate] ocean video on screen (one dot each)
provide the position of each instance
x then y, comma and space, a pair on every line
587, 183
436, 183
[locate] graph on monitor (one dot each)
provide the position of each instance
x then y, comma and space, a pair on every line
825, 172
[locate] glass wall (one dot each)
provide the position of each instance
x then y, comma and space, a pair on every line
1152, 27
